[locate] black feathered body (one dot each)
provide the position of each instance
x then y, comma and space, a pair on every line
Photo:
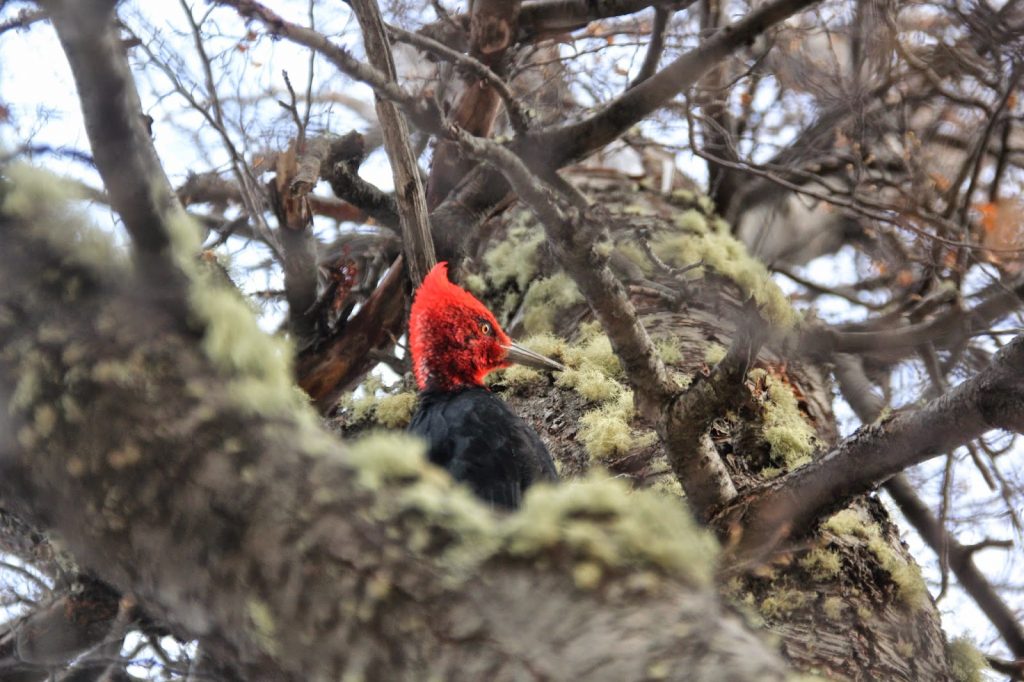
481, 442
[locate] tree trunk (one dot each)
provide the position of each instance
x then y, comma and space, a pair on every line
849, 600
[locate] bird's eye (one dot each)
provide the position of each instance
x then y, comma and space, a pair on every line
486, 328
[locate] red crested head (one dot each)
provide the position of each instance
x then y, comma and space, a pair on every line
454, 339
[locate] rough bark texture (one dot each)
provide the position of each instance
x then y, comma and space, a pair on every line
177, 472
868, 615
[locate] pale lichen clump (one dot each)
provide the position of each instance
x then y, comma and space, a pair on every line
714, 353
605, 431
598, 521
822, 564
258, 366
905, 575
697, 241
395, 411
375, 402
263, 626
45, 202
514, 259
593, 369
594, 372
833, 607
387, 456
516, 376
669, 350
545, 298
423, 501
965, 661
785, 427
783, 601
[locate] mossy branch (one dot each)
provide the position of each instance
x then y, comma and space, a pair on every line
137, 439
121, 144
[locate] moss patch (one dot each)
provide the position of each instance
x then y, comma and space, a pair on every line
395, 411
514, 259
714, 353
965, 661
605, 431
729, 258
821, 564
785, 427
45, 202
783, 601
545, 298
905, 575
833, 608
601, 522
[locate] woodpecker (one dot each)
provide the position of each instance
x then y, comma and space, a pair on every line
455, 342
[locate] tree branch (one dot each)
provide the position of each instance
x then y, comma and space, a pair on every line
855, 388
556, 146
124, 153
138, 441
417, 244
992, 399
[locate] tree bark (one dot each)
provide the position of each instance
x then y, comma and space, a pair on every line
176, 476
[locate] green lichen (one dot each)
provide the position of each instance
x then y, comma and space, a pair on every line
46, 203
264, 626
545, 298
387, 456
729, 258
691, 221
783, 601
600, 521
822, 564
475, 283
546, 344
785, 427
590, 383
587, 575
514, 259
633, 253
905, 575
395, 411
833, 608
516, 376
669, 350
605, 431
965, 661
595, 351
714, 353
258, 366
45, 420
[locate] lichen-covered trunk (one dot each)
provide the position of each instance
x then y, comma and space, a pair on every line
849, 601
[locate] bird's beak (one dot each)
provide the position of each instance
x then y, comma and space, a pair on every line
526, 357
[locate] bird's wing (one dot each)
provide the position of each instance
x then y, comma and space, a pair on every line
480, 441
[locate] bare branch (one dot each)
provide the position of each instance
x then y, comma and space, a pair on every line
135, 181
417, 243
992, 399
556, 146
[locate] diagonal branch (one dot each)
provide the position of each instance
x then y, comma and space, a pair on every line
124, 153
417, 244
556, 146
992, 399
856, 389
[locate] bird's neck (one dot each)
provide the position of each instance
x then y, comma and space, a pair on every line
449, 383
